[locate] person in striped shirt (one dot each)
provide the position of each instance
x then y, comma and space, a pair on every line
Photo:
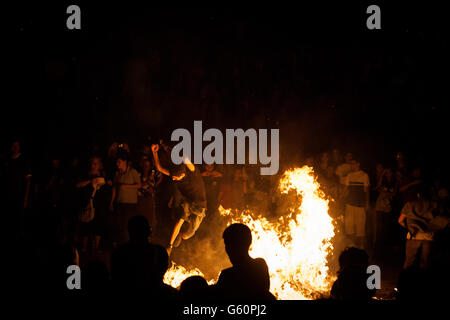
356, 195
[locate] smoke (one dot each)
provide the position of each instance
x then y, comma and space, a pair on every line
205, 250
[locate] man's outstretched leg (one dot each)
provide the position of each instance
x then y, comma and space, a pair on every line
175, 232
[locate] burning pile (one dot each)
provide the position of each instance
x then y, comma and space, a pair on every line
295, 247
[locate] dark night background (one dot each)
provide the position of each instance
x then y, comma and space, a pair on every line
315, 72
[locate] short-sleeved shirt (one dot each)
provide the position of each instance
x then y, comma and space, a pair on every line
130, 176
192, 187
356, 182
419, 214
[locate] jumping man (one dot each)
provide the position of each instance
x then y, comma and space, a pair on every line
189, 182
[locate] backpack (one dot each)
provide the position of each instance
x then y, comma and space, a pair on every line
87, 213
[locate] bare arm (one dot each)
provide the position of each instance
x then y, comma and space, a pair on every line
406, 186
402, 220
403, 214
83, 184
158, 166
189, 164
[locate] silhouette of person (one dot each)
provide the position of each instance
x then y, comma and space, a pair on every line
139, 265
132, 264
194, 287
351, 283
161, 290
248, 278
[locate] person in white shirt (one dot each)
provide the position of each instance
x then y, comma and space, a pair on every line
356, 195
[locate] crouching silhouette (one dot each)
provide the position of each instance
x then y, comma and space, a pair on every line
351, 283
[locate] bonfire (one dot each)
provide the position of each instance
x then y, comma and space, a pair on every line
297, 246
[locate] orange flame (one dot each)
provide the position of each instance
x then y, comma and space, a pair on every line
296, 247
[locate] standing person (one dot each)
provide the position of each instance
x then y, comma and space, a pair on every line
124, 198
189, 182
18, 182
383, 209
357, 197
248, 277
212, 179
150, 179
94, 178
416, 216
50, 187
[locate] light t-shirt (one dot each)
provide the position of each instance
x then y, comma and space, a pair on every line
356, 182
130, 176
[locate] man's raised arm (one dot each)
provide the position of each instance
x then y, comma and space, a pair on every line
155, 149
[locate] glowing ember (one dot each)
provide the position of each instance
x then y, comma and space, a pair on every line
296, 247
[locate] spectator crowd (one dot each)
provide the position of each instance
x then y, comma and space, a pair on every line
112, 214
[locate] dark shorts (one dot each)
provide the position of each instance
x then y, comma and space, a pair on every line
122, 213
193, 214
95, 227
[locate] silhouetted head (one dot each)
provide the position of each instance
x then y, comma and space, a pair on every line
193, 287
237, 238
353, 257
139, 229
161, 262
